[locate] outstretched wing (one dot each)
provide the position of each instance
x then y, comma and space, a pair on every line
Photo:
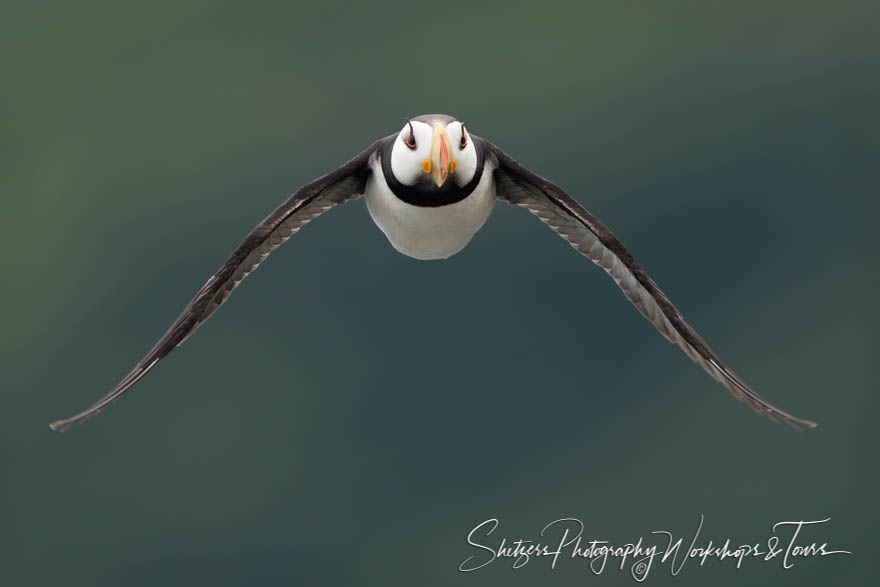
311, 200
517, 185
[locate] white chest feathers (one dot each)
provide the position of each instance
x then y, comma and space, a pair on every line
425, 232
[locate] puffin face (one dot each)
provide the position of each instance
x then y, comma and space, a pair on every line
432, 151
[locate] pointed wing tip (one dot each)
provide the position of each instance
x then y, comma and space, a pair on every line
63, 425
59, 425
793, 421
805, 423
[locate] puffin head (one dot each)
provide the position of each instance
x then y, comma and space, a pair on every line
431, 150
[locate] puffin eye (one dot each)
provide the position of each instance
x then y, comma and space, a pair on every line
462, 143
411, 139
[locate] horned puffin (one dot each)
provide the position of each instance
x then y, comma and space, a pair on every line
429, 188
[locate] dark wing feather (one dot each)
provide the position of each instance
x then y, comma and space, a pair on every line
517, 185
341, 185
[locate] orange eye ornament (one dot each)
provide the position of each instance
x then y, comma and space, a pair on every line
411, 139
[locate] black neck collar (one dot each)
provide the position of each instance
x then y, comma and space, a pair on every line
427, 194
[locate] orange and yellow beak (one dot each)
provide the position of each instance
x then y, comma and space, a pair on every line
441, 163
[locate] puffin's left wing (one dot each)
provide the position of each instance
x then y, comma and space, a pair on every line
586, 233
310, 201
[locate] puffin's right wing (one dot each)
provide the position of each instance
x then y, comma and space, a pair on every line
590, 237
310, 201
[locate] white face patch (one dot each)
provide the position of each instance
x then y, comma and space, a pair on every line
466, 158
406, 163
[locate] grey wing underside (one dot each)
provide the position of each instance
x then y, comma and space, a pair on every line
344, 184
519, 186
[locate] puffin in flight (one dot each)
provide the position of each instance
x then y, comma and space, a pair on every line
430, 187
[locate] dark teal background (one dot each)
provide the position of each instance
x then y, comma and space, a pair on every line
351, 413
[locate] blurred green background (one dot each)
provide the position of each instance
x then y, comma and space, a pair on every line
352, 413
